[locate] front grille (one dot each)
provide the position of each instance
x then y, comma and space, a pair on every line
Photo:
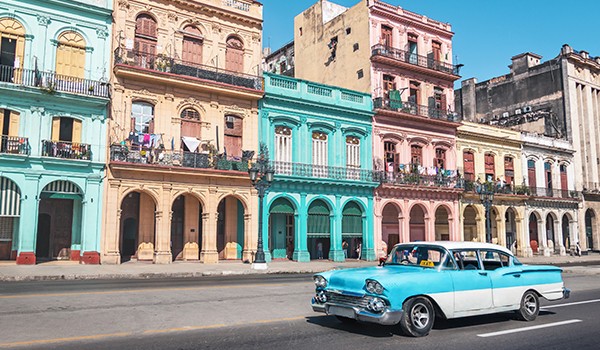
349, 300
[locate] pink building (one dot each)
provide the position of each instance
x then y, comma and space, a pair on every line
405, 61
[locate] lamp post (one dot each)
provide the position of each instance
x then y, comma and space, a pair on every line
261, 175
486, 195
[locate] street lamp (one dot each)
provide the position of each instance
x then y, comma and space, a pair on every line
486, 195
261, 175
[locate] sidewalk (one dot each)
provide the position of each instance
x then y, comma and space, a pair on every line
67, 270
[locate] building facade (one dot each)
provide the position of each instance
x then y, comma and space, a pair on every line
322, 194
183, 130
54, 62
557, 98
403, 60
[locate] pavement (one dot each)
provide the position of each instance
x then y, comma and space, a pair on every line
68, 270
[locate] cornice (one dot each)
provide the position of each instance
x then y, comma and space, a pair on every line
408, 21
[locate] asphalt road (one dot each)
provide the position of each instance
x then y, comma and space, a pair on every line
258, 312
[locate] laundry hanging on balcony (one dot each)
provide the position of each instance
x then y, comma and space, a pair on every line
191, 143
145, 140
395, 100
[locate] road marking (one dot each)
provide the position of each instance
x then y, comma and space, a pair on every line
525, 329
150, 331
17, 296
571, 304
63, 340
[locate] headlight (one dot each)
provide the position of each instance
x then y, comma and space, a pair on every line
374, 287
320, 281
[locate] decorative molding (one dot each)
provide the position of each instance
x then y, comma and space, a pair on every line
123, 4
39, 110
169, 97
172, 16
43, 20
95, 117
102, 32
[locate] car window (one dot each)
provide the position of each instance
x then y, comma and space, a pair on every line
466, 259
417, 255
491, 260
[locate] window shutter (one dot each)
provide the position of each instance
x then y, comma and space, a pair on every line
13, 128
132, 124
55, 128
61, 60
76, 138
151, 126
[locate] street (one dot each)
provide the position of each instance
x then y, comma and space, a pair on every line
257, 312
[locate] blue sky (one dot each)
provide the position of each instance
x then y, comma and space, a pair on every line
487, 32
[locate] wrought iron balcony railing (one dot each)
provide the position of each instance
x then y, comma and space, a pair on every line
162, 63
163, 157
416, 179
414, 109
15, 145
325, 172
51, 82
66, 150
414, 59
523, 190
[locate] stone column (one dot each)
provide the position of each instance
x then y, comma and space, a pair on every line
335, 248
301, 253
368, 244
162, 250
28, 228
111, 236
248, 253
209, 253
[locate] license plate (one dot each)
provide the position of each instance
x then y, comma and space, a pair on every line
341, 311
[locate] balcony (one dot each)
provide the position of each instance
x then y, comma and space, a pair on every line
165, 64
510, 189
14, 145
325, 172
412, 61
441, 179
163, 157
51, 83
415, 109
66, 150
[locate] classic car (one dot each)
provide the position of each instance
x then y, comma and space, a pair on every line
424, 280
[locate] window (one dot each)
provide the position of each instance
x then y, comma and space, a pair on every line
414, 93
416, 155
145, 41
12, 47
440, 158
352, 152
531, 176
490, 172
319, 153
190, 127
234, 54
355, 47
392, 159
386, 36
564, 182
466, 259
66, 129
192, 45
333, 46
9, 122
70, 55
142, 117
233, 135
493, 259
548, 171
412, 48
509, 170
469, 165
440, 99
283, 144
348, 30
360, 74
436, 47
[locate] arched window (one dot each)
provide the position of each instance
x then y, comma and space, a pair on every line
319, 154
283, 144
145, 41
70, 55
192, 45
469, 165
234, 55
564, 182
490, 167
12, 49
509, 170
531, 176
352, 152
190, 125
142, 117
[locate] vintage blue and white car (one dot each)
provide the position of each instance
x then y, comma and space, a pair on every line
424, 280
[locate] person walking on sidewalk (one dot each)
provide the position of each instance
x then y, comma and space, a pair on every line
577, 249
345, 248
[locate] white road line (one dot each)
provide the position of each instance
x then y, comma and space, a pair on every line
570, 304
525, 329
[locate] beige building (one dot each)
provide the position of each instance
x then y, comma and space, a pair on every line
183, 128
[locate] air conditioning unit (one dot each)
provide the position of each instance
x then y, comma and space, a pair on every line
518, 111
229, 119
505, 115
527, 109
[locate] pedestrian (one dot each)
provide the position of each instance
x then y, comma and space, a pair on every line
320, 250
383, 253
578, 248
359, 250
345, 248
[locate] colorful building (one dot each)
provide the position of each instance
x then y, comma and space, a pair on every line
184, 127
404, 60
54, 74
322, 194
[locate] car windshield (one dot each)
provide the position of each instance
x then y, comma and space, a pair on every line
417, 255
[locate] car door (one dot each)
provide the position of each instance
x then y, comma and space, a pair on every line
507, 284
472, 284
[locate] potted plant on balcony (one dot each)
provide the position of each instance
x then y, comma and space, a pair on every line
163, 63
91, 89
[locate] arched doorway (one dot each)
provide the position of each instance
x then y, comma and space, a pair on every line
281, 229
417, 223
566, 231
230, 228
470, 224
319, 230
60, 209
138, 227
590, 222
553, 243
442, 225
10, 211
352, 228
510, 225
534, 242
186, 228
390, 226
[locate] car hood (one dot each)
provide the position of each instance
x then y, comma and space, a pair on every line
353, 280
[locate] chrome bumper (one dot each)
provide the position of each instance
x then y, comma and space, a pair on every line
566, 293
387, 317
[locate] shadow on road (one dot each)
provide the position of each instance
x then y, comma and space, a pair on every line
479, 320
366, 329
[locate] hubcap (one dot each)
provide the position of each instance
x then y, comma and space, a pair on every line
420, 315
530, 304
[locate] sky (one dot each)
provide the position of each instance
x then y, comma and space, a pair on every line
487, 32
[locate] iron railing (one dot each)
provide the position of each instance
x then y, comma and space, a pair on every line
51, 82
414, 59
415, 109
416, 179
163, 63
163, 157
325, 172
66, 150
15, 145
522, 190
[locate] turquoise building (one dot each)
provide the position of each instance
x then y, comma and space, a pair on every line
54, 93
320, 143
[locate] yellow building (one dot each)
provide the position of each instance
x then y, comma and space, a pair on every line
183, 128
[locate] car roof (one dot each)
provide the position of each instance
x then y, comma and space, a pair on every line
450, 245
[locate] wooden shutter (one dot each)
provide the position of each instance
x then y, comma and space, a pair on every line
132, 124
233, 145
386, 36
443, 103
564, 182
531, 175
76, 137
234, 55
61, 60
55, 128
469, 165
190, 128
151, 126
13, 127
192, 50
490, 166
437, 51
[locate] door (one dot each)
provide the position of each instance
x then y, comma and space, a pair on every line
234, 55
42, 246
192, 50
8, 49
469, 166
472, 284
386, 36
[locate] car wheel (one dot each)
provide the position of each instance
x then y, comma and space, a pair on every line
418, 315
530, 306
345, 320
